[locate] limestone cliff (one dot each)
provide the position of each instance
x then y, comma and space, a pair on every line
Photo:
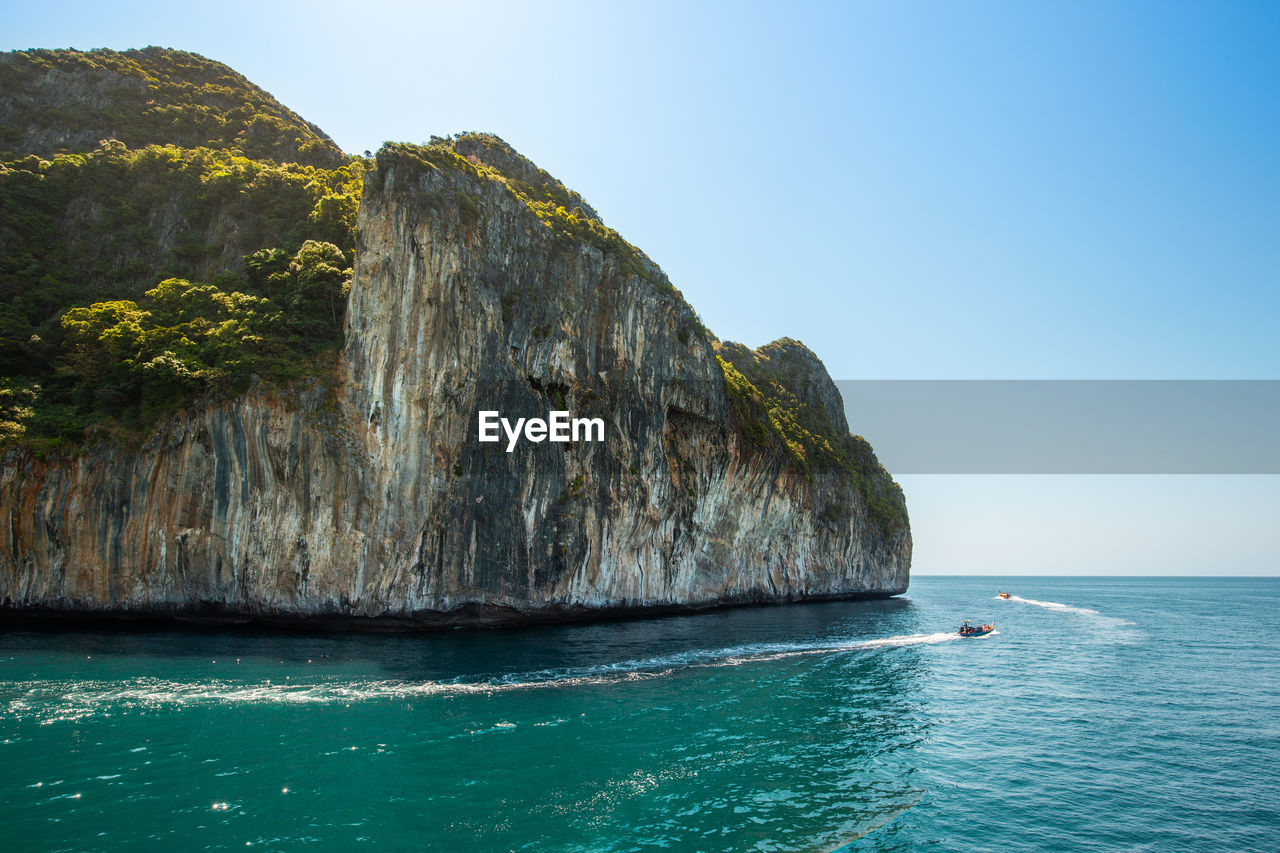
480, 283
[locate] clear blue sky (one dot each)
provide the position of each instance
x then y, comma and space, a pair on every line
916, 190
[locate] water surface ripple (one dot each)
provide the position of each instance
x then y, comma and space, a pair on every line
1104, 714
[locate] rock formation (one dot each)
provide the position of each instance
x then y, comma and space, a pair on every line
480, 284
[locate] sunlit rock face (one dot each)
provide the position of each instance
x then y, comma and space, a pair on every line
370, 495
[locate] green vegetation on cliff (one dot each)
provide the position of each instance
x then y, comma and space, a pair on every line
485, 156
771, 412
67, 100
135, 280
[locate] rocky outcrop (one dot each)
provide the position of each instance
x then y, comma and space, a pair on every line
370, 496
69, 100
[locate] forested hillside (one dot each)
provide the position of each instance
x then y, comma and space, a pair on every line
167, 230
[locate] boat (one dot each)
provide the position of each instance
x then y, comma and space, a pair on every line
1003, 595
967, 630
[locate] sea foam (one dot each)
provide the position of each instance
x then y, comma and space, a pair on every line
63, 700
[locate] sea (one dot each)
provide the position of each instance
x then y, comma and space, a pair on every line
1101, 714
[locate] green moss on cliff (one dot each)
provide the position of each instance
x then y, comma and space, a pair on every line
563, 211
773, 418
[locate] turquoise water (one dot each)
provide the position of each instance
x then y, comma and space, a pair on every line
1104, 714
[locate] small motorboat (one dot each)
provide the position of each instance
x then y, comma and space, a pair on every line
1003, 595
967, 630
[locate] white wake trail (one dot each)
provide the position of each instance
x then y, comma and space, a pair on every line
880, 643
62, 700
1054, 605
1112, 622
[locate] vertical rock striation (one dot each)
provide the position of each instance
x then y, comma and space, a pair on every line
480, 284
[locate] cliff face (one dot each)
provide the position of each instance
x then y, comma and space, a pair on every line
372, 496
